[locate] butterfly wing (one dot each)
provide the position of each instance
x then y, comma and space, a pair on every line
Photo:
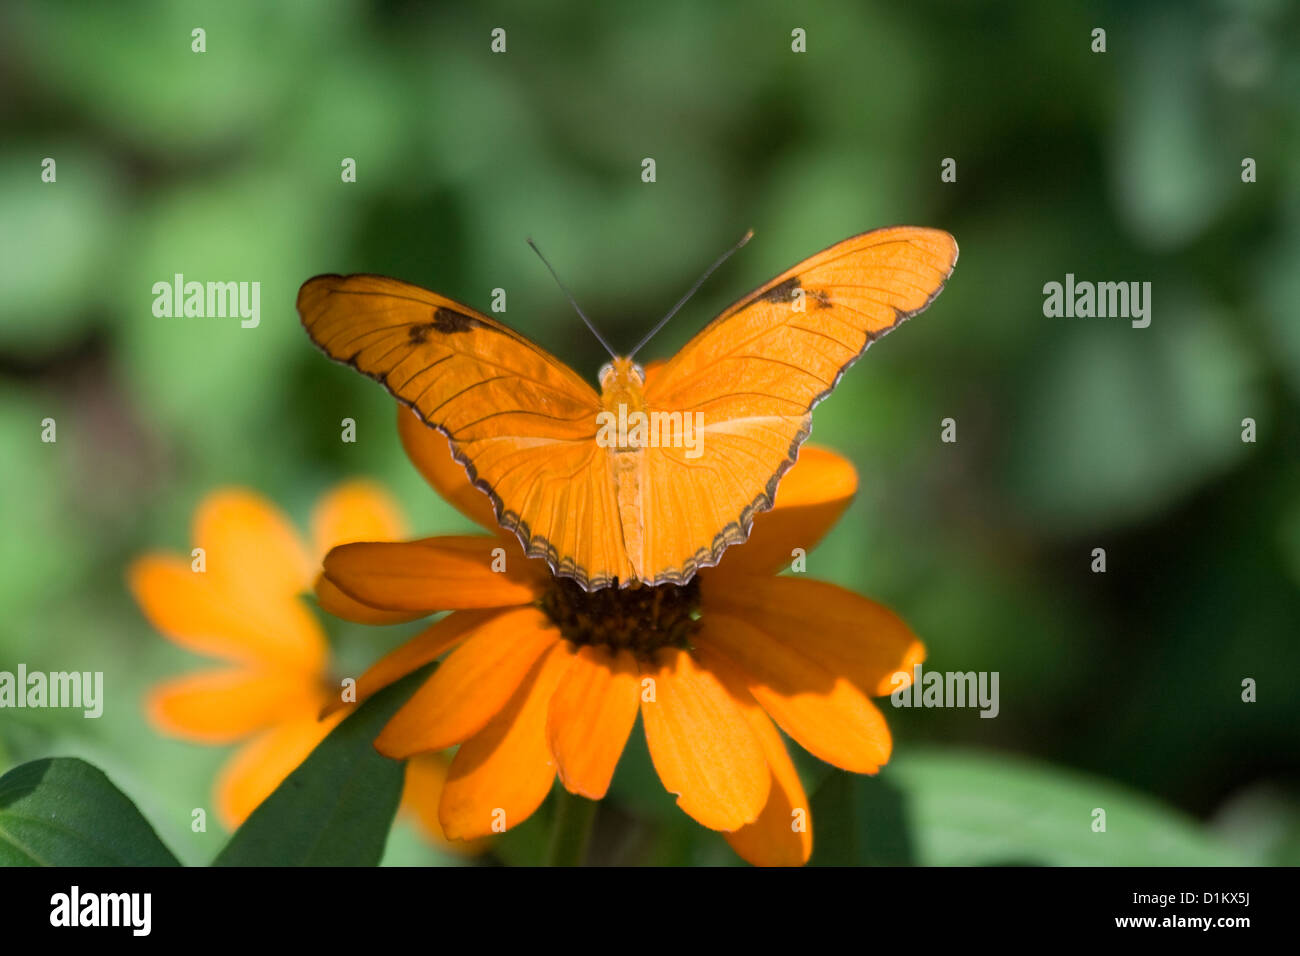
521, 422
755, 374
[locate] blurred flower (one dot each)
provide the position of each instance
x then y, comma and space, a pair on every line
545, 677
239, 598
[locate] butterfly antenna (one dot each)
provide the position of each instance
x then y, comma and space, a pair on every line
576, 308
698, 282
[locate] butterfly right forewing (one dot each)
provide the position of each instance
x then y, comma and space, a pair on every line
754, 375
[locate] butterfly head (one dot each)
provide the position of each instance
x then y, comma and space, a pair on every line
621, 374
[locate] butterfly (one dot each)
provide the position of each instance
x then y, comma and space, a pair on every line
620, 506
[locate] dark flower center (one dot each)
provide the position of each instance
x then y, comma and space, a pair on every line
638, 619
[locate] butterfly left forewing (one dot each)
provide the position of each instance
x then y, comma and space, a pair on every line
754, 375
521, 422
446, 360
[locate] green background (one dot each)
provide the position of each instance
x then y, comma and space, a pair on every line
1119, 690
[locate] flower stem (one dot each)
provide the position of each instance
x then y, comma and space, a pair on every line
574, 816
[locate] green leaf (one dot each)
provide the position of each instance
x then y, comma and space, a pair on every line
335, 809
62, 811
975, 808
860, 821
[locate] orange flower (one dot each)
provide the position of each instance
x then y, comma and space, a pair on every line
239, 597
545, 678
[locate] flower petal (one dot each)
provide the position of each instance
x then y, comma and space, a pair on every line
471, 686
430, 452
504, 772
426, 776
356, 511
842, 631
591, 716
430, 644
782, 834
829, 717
192, 610
218, 706
256, 769
250, 546
434, 574
333, 601
809, 500
702, 747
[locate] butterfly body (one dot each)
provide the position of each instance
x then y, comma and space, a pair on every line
622, 386
654, 476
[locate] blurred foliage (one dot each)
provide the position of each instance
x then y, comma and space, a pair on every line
1073, 433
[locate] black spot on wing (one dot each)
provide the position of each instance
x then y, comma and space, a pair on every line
449, 321
445, 321
420, 333
782, 291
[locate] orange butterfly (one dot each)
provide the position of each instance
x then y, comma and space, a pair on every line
654, 477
